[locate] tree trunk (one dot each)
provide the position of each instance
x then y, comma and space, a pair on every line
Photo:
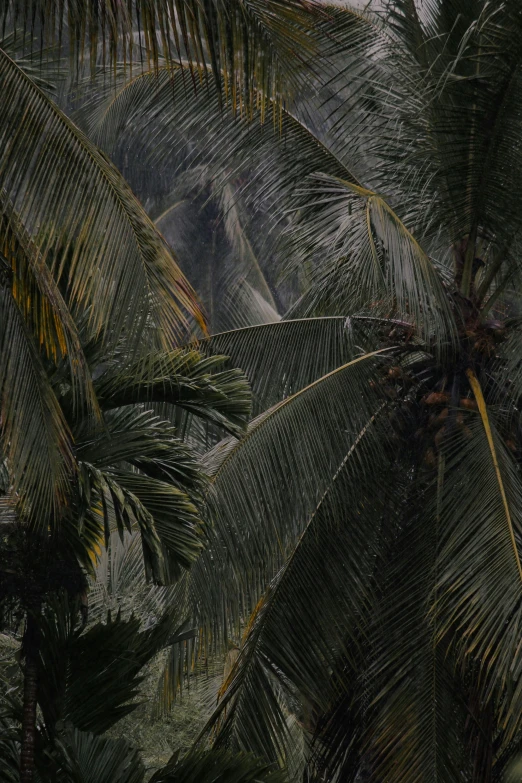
31, 649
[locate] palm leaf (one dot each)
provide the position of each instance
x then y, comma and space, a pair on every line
281, 358
41, 303
176, 520
217, 767
243, 306
261, 498
414, 724
91, 679
35, 436
298, 445
138, 437
87, 758
119, 579
255, 529
259, 46
80, 213
182, 378
480, 608
284, 157
455, 182
314, 610
170, 524
372, 258
234, 225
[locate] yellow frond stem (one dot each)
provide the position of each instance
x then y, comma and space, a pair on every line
477, 391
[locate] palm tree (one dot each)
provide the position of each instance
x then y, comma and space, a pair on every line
382, 502
133, 471
88, 681
53, 236
83, 264
369, 521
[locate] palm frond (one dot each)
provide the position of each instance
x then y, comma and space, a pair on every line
91, 679
43, 66
243, 306
199, 132
254, 531
260, 47
460, 75
415, 715
35, 437
176, 520
298, 445
215, 766
314, 611
119, 580
261, 496
9, 746
170, 524
84, 757
137, 436
281, 358
82, 215
372, 257
182, 378
44, 310
241, 245
479, 561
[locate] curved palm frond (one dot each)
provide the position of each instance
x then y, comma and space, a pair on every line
244, 306
414, 726
91, 678
479, 584
180, 124
84, 757
298, 445
136, 470
253, 532
454, 181
261, 497
233, 224
371, 257
260, 47
281, 358
120, 585
40, 301
386, 265
119, 579
170, 524
44, 66
35, 436
183, 378
215, 766
314, 611
138, 437
81, 215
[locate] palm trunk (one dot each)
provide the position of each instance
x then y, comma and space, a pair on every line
31, 648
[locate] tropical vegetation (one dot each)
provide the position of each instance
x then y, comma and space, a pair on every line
303, 474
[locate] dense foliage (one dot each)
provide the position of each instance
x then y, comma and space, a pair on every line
338, 519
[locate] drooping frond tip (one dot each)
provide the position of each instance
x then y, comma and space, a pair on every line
258, 46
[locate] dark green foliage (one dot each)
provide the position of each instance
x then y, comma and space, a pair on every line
354, 549
217, 767
87, 758
90, 679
